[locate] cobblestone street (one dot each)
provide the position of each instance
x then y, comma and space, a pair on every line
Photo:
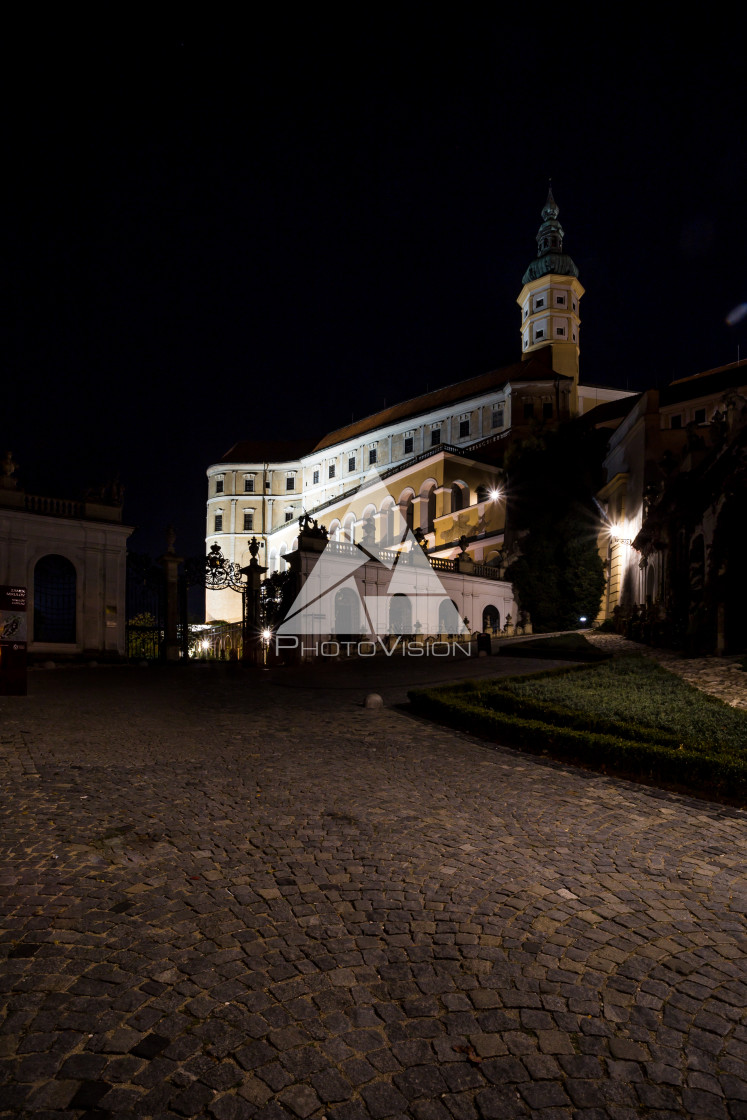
233, 896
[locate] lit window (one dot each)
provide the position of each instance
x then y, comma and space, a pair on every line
408, 445
218, 527
315, 478
219, 486
435, 437
248, 520
331, 470
248, 485
371, 456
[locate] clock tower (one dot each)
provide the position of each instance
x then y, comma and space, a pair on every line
550, 298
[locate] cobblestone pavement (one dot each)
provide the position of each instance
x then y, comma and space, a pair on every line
235, 896
722, 677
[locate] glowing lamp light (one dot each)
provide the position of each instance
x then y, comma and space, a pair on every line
582, 618
267, 634
495, 495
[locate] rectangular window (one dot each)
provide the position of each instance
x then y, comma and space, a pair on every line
248, 520
463, 428
289, 515
560, 300
351, 463
219, 486
331, 470
315, 478
560, 330
218, 523
435, 437
408, 445
497, 418
528, 411
248, 485
540, 303
676, 421
700, 416
290, 483
268, 483
539, 334
371, 456
547, 410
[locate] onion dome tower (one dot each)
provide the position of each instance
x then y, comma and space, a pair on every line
550, 297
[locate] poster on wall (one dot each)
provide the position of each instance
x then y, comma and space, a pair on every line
13, 639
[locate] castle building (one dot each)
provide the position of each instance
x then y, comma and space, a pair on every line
439, 455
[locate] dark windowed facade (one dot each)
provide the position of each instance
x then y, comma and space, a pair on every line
55, 587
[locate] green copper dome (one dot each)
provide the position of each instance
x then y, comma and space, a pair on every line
550, 255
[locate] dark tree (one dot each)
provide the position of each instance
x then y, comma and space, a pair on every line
559, 575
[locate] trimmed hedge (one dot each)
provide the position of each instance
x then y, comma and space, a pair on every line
558, 647
702, 773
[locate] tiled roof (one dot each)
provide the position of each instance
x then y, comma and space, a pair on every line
535, 369
268, 451
703, 384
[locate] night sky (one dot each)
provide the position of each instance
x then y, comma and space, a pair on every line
218, 233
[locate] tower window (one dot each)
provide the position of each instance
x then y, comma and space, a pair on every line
574, 305
560, 300
539, 334
248, 520
218, 526
248, 485
331, 470
290, 483
315, 478
219, 486
560, 330
540, 303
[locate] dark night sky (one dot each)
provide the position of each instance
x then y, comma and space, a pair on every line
218, 233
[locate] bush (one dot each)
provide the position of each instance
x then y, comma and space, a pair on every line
516, 712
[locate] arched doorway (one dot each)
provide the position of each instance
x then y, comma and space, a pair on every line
400, 615
347, 615
491, 620
449, 621
54, 599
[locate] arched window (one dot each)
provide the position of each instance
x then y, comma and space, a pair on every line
54, 599
387, 521
428, 491
348, 529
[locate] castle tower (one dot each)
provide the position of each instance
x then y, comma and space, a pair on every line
550, 298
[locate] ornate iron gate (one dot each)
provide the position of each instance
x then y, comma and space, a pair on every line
146, 608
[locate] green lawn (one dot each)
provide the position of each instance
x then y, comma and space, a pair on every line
629, 715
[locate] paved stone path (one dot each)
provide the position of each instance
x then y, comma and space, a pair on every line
233, 896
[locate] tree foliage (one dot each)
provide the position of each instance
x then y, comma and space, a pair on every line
559, 576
